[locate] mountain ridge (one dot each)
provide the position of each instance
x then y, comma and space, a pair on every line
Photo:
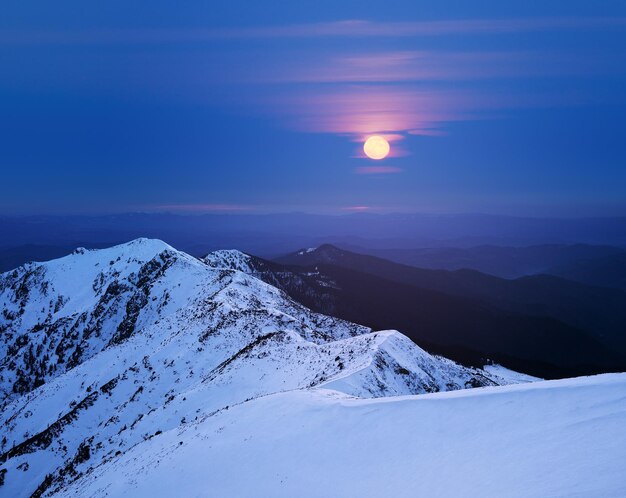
460, 327
179, 342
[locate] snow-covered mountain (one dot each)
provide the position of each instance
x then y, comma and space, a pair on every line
104, 351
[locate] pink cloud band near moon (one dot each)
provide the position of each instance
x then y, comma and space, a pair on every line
377, 170
399, 93
361, 110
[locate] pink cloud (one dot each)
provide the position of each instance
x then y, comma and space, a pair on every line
204, 208
428, 133
390, 137
376, 67
356, 209
377, 170
361, 110
394, 110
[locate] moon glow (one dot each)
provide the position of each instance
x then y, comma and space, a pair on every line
376, 147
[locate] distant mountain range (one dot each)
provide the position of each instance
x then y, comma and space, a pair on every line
581, 262
269, 235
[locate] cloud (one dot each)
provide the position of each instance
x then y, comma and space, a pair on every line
356, 209
359, 110
377, 170
415, 66
364, 28
395, 110
344, 29
201, 208
408, 92
390, 137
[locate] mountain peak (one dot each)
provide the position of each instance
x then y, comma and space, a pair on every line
325, 253
142, 249
146, 244
328, 249
231, 259
323, 248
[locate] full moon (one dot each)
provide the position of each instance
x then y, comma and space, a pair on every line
376, 147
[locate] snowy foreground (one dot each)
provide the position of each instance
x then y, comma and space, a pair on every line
141, 371
546, 439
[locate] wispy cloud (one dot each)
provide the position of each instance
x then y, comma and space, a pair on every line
369, 92
377, 170
356, 209
360, 110
364, 28
346, 28
201, 208
406, 66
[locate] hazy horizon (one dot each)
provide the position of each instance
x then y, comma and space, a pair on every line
270, 235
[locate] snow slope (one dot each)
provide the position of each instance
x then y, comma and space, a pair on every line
546, 439
507, 375
103, 351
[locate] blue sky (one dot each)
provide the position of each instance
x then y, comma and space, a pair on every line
501, 107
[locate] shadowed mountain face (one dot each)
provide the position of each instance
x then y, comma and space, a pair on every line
599, 311
605, 271
465, 328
